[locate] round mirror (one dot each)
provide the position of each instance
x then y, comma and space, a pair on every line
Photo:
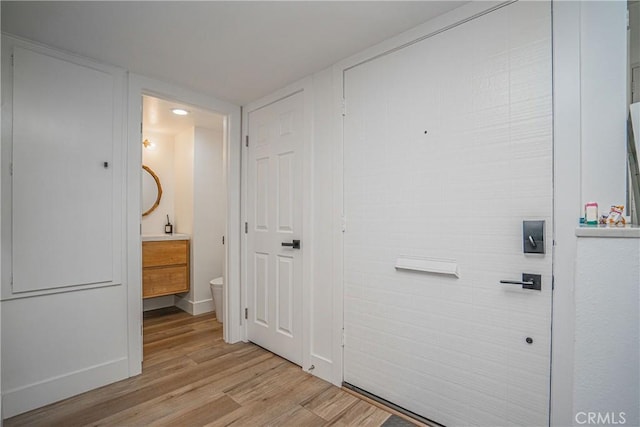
151, 190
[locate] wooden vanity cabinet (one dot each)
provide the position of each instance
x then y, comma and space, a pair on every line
165, 267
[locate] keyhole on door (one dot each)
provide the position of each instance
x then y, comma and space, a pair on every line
529, 340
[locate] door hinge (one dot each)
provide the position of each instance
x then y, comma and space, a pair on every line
12, 60
246, 140
141, 129
246, 313
343, 223
11, 281
223, 240
553, 282
11, 169
344, 107
246, 227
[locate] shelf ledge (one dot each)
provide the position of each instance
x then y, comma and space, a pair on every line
626, 231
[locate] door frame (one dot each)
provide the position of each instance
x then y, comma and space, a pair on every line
139, 86
306, 87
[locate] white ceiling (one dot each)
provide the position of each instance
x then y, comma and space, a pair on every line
158, 118
238, 51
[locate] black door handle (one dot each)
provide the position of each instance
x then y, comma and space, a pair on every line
295, 244
529, 281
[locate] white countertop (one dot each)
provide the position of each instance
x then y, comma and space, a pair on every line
160, 237
628, 231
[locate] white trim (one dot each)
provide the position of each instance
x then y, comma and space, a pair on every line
194, 307
36, 395
306, 87
566, 201
138, 86
339, 220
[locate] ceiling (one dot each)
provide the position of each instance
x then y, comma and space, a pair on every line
237, 51
158, 118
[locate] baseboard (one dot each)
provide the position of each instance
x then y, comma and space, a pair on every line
195, 307
158, 302
36, 395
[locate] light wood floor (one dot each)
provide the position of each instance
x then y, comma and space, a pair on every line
192, 378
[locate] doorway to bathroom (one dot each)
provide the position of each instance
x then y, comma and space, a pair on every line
184, 207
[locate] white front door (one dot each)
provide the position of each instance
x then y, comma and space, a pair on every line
274, 212
447, 150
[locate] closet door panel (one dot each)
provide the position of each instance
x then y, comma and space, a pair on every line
63, 173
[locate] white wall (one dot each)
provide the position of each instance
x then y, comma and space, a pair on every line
326, 301
60, 344
590, 119
607, 339
200, 211
209, 214
161, 161
183, 184
567, 203
603, 91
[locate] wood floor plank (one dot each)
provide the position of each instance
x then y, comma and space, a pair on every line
191, 377
298, 417
201, 415
166, 406
361, 414
330, 403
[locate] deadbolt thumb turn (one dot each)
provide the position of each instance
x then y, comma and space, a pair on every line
295, 244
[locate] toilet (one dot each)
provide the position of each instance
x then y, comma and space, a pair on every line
216, 294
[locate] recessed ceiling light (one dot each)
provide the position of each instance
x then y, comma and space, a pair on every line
179, 111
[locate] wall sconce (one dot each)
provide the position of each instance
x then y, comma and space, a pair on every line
149, 145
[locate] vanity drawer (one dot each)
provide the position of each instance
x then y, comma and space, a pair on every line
165, 281
169, 252
165, 267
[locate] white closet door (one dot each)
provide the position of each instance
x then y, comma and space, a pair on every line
63, 174
447, 149
274, 271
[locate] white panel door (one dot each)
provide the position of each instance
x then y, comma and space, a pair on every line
63, 174
274, 212
447, 149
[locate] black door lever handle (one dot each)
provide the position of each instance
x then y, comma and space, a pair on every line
529, 281
515, 282
295, 244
